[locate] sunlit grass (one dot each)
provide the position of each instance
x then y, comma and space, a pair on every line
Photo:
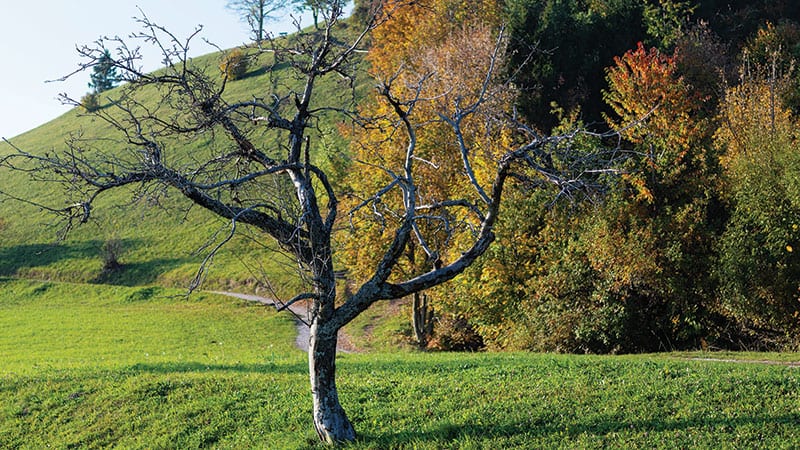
75, 326
560, 401
91, 366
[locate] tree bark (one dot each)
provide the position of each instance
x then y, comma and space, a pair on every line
422, 319
330, 420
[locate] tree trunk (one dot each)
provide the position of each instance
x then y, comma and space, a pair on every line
422, 319
330, 420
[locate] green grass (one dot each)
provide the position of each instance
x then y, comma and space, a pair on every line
384, 327
91, 366
546, 401
160, 243
73, 326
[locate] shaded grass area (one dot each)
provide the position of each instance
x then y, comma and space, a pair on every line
69, 260
88, 366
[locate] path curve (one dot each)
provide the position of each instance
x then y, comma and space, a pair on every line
303, 332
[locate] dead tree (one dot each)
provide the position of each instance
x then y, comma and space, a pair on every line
275, 188
255, 13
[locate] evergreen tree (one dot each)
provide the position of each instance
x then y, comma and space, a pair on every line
104, 76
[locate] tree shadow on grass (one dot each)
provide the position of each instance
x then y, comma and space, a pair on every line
263, 69
448, 432
28, 256
45, 258
135, 274
257, 69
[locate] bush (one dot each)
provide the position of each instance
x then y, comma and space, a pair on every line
454, 333
111, 251
234, 64
91, 102
758, 268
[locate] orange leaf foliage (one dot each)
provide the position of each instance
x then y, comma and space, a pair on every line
655, 107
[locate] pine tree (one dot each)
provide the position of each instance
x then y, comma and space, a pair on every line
104, 76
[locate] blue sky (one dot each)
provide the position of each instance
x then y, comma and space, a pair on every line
38, 40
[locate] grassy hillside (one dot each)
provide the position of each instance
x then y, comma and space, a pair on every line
159, 244
95, 366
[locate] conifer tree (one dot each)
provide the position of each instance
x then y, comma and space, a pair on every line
104, 75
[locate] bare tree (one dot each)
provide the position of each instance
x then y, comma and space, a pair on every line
257, 12
277, 189
318, 8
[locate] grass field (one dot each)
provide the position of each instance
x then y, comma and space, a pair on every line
92, 366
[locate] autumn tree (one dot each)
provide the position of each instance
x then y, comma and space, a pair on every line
649, 245
758, 267
275, 188
625, 272
448, 44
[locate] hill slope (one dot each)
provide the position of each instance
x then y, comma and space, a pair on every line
154, 244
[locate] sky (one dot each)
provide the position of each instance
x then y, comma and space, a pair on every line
38, 42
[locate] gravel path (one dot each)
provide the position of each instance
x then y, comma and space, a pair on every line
303, 333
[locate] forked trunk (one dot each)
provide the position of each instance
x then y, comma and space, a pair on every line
330, 420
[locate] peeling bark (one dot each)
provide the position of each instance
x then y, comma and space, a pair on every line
330, 420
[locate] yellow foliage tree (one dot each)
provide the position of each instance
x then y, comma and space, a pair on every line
656, 111
758, 269
616, 275
438, 53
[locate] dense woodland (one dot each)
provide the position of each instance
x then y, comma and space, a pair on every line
694, 241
